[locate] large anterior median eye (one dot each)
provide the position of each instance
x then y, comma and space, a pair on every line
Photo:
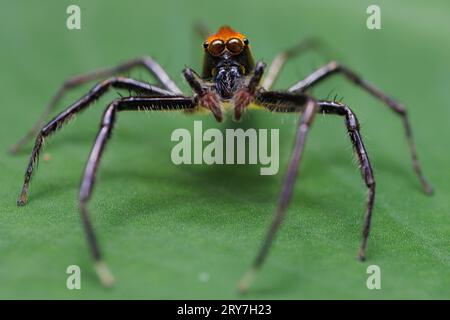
216, 47
235, 45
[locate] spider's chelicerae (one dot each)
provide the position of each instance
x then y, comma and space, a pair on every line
229, 78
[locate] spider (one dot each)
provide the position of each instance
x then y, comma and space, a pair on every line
230, 80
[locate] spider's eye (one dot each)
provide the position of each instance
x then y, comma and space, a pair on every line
205, 44
235, 45
246, 42
216, 47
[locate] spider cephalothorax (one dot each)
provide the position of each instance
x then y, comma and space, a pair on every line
229, 74
226, 46
227, 60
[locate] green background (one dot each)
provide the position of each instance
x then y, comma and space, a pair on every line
164, 227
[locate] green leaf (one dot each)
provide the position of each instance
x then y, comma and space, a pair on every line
171, 231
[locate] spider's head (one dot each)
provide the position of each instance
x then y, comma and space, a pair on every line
225, 50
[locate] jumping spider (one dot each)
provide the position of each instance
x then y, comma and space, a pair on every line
230, 79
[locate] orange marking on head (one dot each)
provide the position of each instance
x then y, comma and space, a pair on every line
225, 33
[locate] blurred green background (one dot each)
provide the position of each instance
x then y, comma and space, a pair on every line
191, 231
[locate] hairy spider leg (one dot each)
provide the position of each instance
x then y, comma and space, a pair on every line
147, 62
287, 102
78, 106
277, 64
335, 68
106, 126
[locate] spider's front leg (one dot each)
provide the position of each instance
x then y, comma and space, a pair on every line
288, 102
299, 103
75, 108
104, 133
